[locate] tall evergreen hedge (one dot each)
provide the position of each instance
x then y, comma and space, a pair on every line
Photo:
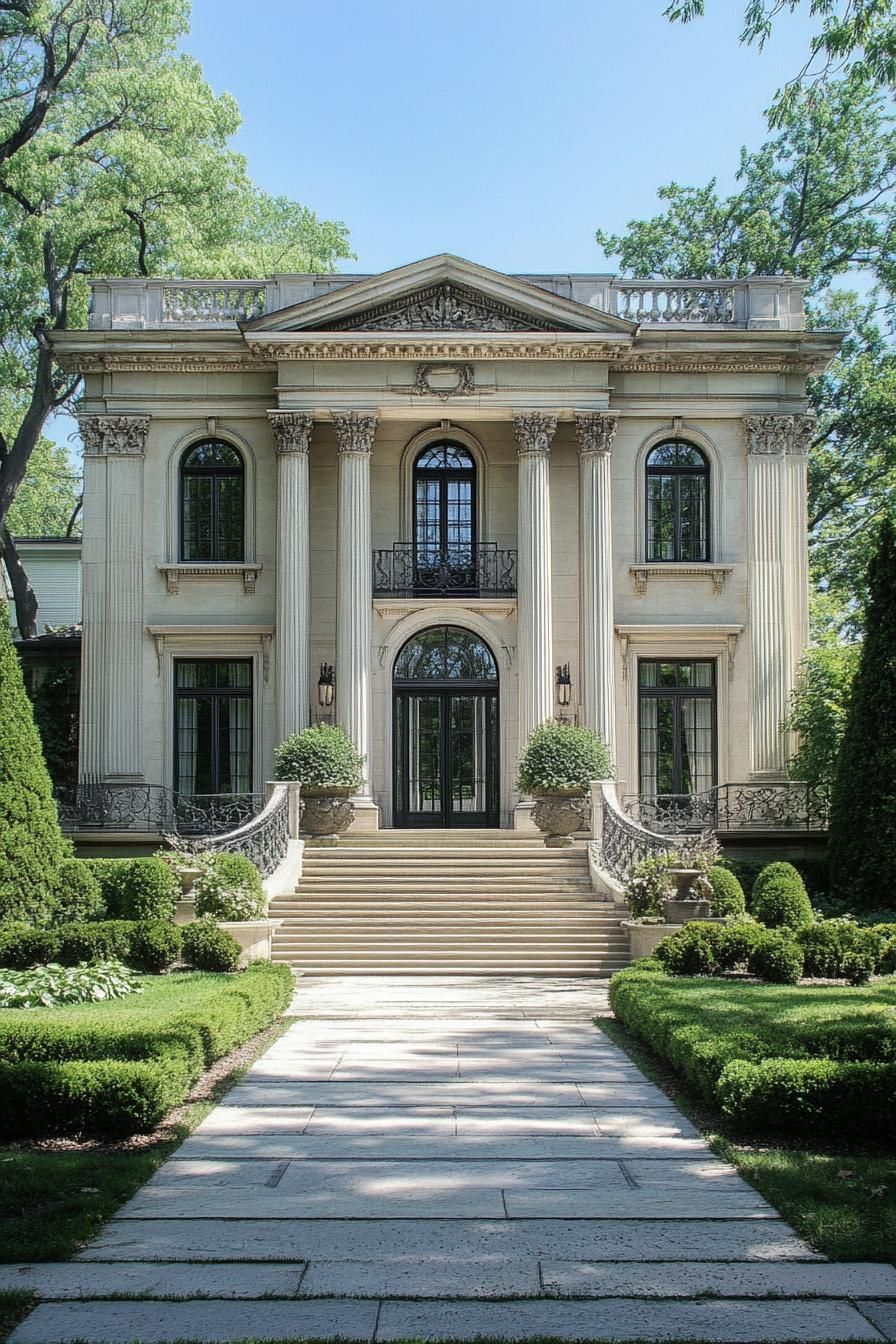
863, 800
31, 844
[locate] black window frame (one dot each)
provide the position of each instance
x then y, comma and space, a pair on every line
215, 473
215, 693
443, 475
678, 473
678, 693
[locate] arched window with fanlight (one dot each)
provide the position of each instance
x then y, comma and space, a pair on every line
444, 518
677, 510
212, 499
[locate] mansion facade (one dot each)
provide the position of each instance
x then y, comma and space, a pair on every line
439, 506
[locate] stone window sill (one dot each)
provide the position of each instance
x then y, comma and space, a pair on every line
175, 573
642, 574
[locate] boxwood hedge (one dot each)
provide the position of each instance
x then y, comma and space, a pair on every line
115, 1069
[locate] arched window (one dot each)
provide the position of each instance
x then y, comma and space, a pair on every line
677, 502
212, 486
446, 653
444, 516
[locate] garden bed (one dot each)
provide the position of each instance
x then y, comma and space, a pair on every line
793, 1060
113, 1069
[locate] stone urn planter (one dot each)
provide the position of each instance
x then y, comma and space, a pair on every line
255, 937
560, 814
685, 905
327, 812
644, 938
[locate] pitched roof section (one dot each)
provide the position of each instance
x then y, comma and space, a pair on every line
440, 294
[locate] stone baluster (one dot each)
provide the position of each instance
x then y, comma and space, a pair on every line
595, 431
355, 432
534, 431
778, 592
292, 438
112, 700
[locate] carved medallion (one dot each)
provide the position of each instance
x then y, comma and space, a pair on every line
444, 380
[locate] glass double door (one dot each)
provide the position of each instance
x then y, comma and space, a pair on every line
446, 758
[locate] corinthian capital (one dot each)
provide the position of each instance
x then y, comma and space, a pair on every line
534, 431
595, 431
114, 434
354, 431
291, 430
804, 427
768, 435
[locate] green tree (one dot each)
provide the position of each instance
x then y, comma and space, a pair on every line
48, 501
114, 159
818, 710
31, 844
862, 846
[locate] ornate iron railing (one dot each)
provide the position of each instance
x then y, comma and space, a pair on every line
264, 840
624, 842
152, 808
406, 570
788, 805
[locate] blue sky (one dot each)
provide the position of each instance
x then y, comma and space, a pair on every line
503, 130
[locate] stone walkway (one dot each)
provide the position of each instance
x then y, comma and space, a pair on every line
441, 1159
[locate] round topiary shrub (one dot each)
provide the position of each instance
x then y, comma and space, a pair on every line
691, 950
77, 894
155, 946
209, 948
321, 757
229, 888
777, 958
560, 757
727, 896
735, 943
779, 898
858, 965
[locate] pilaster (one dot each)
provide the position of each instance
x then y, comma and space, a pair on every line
534, 432
113, 597
292, 439
778, 579
355, 431
595, 431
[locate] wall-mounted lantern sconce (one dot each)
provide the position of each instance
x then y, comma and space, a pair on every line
326, 686
564, 686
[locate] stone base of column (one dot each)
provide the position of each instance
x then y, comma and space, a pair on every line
367, 815
522, 816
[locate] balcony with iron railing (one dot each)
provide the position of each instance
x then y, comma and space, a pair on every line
756, 805
406, 570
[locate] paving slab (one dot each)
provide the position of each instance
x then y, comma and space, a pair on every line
161, 1322
731, 1322
367, 1239
76, 1280
643, 1203
297, 1146
883, 1316
684, 1279
215, 1202
411, 1276
389, 1095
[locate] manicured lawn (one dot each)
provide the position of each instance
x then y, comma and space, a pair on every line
838, 1193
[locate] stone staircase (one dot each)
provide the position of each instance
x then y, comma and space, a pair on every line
447, 903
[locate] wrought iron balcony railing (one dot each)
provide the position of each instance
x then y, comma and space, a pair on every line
151, 808
789, 805
406, 570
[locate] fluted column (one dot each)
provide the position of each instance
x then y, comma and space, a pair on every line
292, 439
113, 596
595, 431
534, 431
354, 581
778, 584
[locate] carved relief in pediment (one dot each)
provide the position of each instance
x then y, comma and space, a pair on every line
443, 307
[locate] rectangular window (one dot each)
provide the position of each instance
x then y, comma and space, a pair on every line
212, 726
677, 726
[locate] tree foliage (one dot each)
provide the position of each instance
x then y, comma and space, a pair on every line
31, 844
818, 710
862, 844
115, 159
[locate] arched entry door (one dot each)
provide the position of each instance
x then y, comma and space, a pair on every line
445, 747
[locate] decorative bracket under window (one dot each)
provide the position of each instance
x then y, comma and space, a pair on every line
642, 573
174, 573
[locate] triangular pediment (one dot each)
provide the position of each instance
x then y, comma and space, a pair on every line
440, 294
